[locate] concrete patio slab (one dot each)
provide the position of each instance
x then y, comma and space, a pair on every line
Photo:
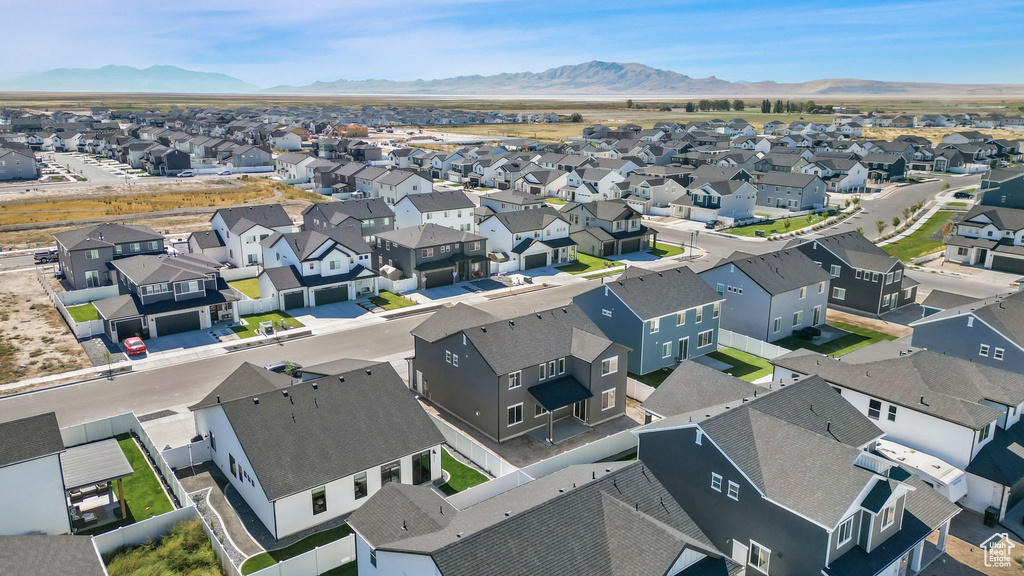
712, 363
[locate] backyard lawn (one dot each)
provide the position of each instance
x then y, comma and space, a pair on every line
253, 320
84, 312
652, 379
856, 338
920, 242
744, 365
144, 497
665, 250
391, 301
460, 476
779, 226
555, 201
586, 263
249, 286
185, 550
264, 559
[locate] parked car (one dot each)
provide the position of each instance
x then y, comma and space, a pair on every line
712, 225
46, 256
186, 174
284, 367
962, 194
224, 173
134, 346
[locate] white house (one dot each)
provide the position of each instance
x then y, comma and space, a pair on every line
242, 229
32, 495
397, 184
529, 238
301, 453
452, 209
545, 182
601, 183
713, 201
285, 140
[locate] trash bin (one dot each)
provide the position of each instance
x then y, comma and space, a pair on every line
991, 516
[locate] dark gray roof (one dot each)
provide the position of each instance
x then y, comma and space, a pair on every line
49, 555
30, 438
693, 387
791, 179
305, 244
852, 248
1002, 459
1003, 218
107, 234
247, 380
609, 210
428, 235
1004, 313
521, 198
778, 272
951, 388
242, 218
360, 209
941, 300
92, 463
159, 268
624, 522
366, 417
657, 294
207, 239
519, 221
442, 200
288, 278
452, 320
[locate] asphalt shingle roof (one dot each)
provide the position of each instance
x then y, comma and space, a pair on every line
29, 438
442, 200
360, 209
778, 272
107, 234
693, 387
852, 248
428, 235
49, 555
240, 219
519, 221
657, 294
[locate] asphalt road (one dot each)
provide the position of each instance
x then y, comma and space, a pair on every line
17, 262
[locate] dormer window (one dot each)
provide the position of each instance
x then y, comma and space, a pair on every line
888, 516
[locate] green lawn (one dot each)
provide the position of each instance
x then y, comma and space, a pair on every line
744, 365
144, 497
250, 287
856, 338
460, 476
666, 250
185, 550
555, 201
84, 312
778, 226
920, 242
249, 330
956, 204
264, 559
390, 301
587, 263
652, 379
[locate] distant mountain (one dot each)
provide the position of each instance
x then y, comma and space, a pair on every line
597, 78
155, 79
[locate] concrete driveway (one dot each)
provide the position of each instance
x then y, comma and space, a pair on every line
175, 342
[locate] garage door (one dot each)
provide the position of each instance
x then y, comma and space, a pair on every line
438, 278
630, 245
176, 323
293, 300
330, 295
535, 261
126, 328
1015, 265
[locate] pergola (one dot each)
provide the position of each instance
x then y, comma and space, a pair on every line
557, 394
89, 465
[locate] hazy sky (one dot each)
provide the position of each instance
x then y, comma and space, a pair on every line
300, 41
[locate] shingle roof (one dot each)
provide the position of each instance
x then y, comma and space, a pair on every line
663, 292
305, 244
49, 555
519, 221
207, 239
1004, 313
366, 417
159, 268
693, 387
105, 235
778, 272
29, 438
427, 235
442, 200
854, 249
240, 219
942, 300
791, 179
360, 209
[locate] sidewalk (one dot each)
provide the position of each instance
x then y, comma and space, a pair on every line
937, 204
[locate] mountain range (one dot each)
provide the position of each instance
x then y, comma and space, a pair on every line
595, 79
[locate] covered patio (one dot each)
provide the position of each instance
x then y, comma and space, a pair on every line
91, 472
555, 395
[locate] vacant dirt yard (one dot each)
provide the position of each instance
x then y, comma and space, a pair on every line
34, 340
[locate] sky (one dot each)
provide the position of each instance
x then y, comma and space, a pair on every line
300, 41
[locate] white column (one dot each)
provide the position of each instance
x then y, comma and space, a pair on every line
915, 558
943, 533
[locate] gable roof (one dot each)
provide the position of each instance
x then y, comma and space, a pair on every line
791, 179
441, 200
1003, 312
427, 235
48, 555
778, 272
360, 209
240, 219
852, 248
519, 221
107, 234
659, 293
29, 438
160, 268
306, 243
693, 387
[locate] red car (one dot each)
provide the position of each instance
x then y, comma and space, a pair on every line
134, 345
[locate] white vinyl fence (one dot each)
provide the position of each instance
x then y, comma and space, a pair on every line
258, 306
473, 450
316, 561
232, 274
61, 301
87, 295
750, 345
595, 451
187, 455
638, 390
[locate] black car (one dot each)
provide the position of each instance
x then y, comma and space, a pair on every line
962, 194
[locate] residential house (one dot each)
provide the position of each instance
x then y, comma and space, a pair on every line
85, 254
864, 277
693, 387
792, 190
242, 229
770, 296
268, 433
543, 183
529, 238
511, 200
430, 255
663, 317
989, 236
1003, 188
249, 156
286, 140
715, 200
988, 331
584, 184
534, 374
30, 458
16, 164
451, 208
607, 228
885, 167
371, 215
397, 184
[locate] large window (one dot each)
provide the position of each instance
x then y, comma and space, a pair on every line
666, 350
874, 409
92, 254
838, 293
609, 365
845, 532
888, 515
515, 414
608, 399
360, 486
319, 501
798, 317
421, 468
835, 270
705, 338
759, 557
391, 473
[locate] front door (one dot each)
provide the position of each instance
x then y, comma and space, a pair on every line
684, 349
903, 564
418, 383
817, 315
579, 410
739, 553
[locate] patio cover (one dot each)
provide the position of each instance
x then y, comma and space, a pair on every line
559, 393
93, 463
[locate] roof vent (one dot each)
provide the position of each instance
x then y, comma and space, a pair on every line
923, 403
561, 490
284, 393
368, 372
508, 513
511, 323
316, 386
404, 526
218, 398
459, 535
256, 401
341, 378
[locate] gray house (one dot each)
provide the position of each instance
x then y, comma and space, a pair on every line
371, 215
786, 483
85, 253
864, 277
663, 317
987, 331
549, 374
768, 297
791, 190
608, 228
431, 254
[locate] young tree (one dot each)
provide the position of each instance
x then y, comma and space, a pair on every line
738, 104
945, 186
906, 213
786, 223
778, 107
576, 117
860, 230
895, 221
880, 225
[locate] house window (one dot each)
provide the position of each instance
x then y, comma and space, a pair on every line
543, 371
983, 351
859, 274
319, 501
391, 473
655, 325
874, 409
666, 350
609, 366
892, 413
705, 338
885, 301
135, 247
515, 380
777, 325
448, 356
233, 465
213, 442
117, 249
834, 270
897, 276
606, 312
515, 414
421, 468
360, 485
720, 288
680, 318
561, 365
427, 252
539, 411
798, 318
152, 245
455, 360
888, 515
608, 399
716, 309
875, 277
759, 557
845, 532
997, 354
92, 254
803, 292
373, 558
734, 490
716, 481
699, 315
839, 293
984, 432
334, 265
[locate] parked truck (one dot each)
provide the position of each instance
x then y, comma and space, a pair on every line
46, 256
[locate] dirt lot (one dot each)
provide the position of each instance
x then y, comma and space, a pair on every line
34, 340
144, 185
871, 323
